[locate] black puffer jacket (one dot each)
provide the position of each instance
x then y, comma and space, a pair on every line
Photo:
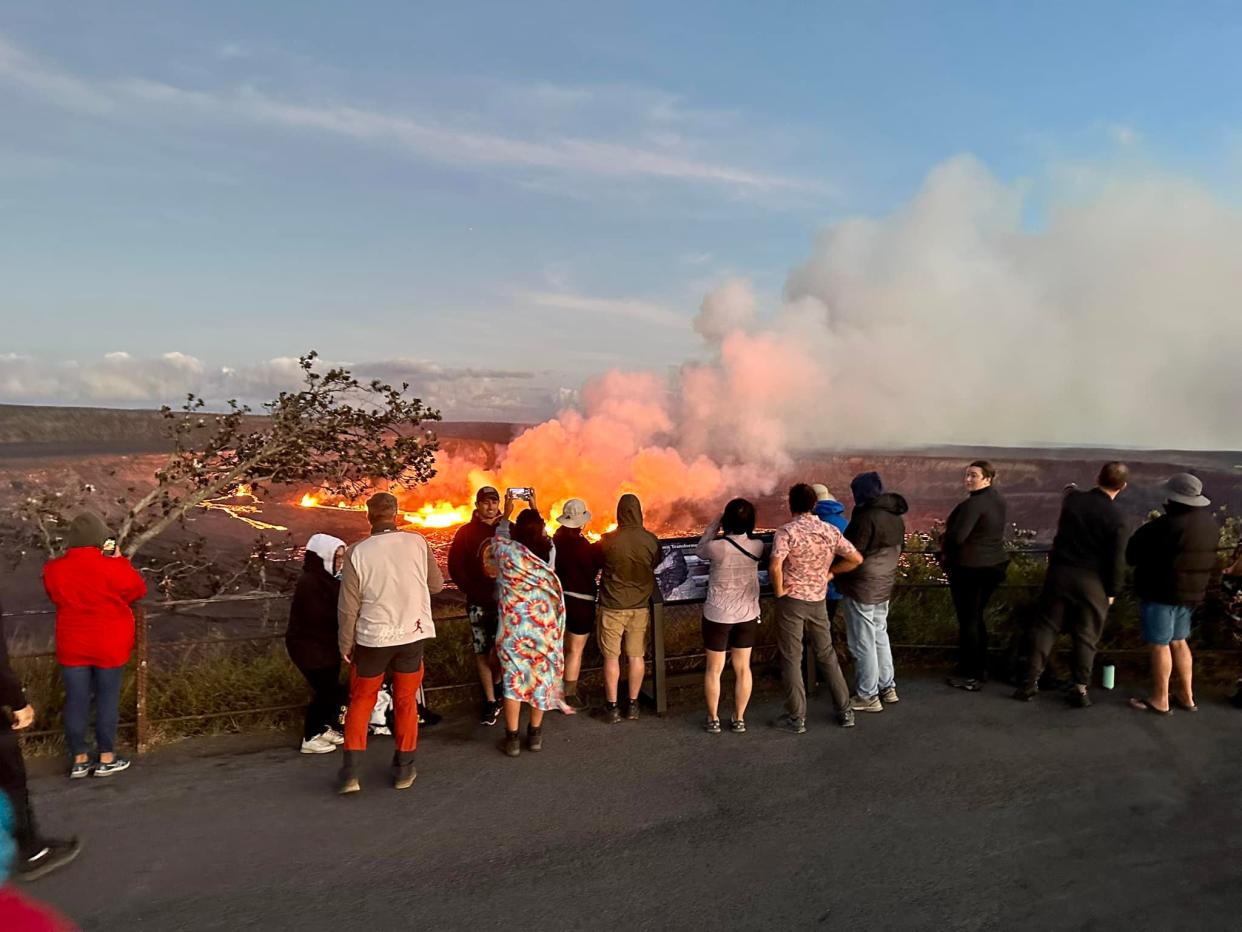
974, 535
11, 692
1174, 556
879, 532
311, 635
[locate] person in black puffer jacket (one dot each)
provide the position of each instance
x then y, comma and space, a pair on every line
1174, 557
311, 639
974, 558
878, 530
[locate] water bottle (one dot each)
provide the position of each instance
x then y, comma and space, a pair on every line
1108, 676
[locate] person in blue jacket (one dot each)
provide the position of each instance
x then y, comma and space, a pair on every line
830, 511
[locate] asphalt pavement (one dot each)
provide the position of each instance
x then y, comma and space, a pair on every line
947, 811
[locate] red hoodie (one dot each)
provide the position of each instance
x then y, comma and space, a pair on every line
93, 593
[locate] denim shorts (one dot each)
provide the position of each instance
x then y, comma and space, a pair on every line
1164, 623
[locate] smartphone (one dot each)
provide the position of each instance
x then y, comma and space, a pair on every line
523, 492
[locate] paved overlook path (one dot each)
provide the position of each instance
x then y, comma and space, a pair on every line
949, 811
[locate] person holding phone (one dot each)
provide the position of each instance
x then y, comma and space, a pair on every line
94, 595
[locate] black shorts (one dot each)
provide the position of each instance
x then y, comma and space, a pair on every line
376, 661
719, 637
579, 615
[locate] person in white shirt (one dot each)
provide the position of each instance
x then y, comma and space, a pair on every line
384, 616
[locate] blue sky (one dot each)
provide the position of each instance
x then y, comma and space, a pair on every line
499, 200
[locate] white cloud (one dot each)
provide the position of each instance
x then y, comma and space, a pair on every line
121, 379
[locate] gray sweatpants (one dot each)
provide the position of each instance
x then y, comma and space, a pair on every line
795, 617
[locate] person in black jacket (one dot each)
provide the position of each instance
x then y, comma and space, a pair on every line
878, 530
37, 855
1173, 557
578, 562
974, 557
465, 566
1085, 570
311, 639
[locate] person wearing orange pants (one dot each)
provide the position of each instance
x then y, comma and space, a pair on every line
383, 617
366, 676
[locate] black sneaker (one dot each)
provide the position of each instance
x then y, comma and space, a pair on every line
795, 726
427, 718
612, 713
1079, 699
846, 718
54, 853
967, 683
1026, 693
490, 713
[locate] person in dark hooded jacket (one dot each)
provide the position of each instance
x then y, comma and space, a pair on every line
311, 640
630, 555
878, 530
1174, 557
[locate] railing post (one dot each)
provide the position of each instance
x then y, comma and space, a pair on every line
659, 672
140, 679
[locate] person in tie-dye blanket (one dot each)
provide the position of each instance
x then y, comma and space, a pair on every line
532, 629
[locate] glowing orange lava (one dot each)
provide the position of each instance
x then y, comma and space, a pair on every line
439, 515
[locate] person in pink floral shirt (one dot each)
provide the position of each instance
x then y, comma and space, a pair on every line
806, 554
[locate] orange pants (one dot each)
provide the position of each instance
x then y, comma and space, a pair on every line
362, 693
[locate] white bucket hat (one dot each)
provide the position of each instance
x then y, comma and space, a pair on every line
574, 514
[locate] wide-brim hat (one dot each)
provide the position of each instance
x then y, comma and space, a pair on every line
574, 514
822, 494
1185, 489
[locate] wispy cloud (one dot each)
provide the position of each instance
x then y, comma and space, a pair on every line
134, 97
638, 310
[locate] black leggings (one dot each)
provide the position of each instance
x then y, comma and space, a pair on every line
327, 697
972, 587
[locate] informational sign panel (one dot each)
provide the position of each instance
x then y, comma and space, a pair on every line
682, 576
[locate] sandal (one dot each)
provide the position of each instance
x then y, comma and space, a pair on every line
1142, 705
1186, 706
737, 726
713, 726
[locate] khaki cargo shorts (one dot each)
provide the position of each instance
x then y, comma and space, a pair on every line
612, 623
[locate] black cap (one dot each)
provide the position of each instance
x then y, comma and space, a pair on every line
486, 492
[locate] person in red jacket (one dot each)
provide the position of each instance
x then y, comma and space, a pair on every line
93, 594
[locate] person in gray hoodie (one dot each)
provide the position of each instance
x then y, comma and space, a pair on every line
878, 530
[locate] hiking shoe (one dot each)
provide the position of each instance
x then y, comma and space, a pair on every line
737, 726
320, 744
631, 713
78, 771
534, 738
1079, 699
795, 726
712, 727
512, 745
612, 714
576, 702
846, 719
404, 776
489, 714
1026, 693
116, 765
334, 737
54, 853
889, 696
859, 704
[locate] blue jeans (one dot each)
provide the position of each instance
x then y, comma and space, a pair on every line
80, 683
867, 630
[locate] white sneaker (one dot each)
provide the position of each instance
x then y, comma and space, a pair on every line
334, 736
318, 745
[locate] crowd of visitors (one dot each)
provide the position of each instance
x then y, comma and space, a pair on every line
533, 602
